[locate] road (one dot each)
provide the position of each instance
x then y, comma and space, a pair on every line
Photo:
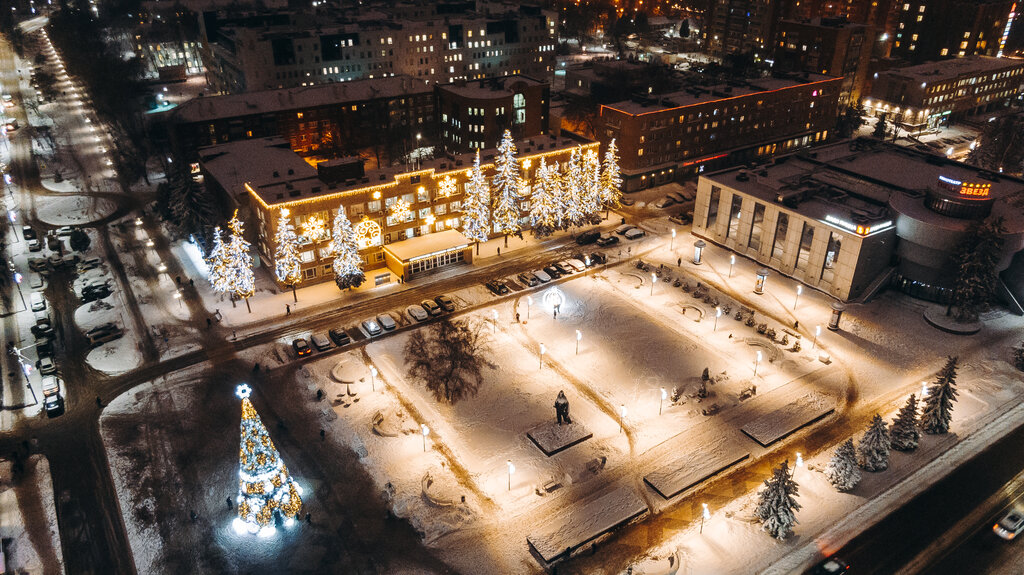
896, 540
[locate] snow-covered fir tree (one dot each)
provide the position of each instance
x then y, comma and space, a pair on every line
842, 471
873, 450
903, 432
544, 211
287, 265
611, 179
348, 264
238, 262
938, 404
476, 215
507, 184
573, 199
776, 505
216, 263
592, 196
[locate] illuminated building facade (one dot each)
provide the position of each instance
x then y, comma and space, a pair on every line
829, 46
932, 29
702, 128
474, 114
407, 221
854, 217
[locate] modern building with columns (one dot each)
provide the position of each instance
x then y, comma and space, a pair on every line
858, 216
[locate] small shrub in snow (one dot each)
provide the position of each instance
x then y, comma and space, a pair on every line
903, 432
842, 471
770, 334
873, 450
785, 339
796, 345
738, 316
777, 502
750, 321
677, 392
762, 328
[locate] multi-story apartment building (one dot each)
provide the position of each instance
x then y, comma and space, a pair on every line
475, 114
854, 217
933, 93
407, 221
247, 54
706, 127
378, 118
869, 12
740, 27
932, 29
830, 46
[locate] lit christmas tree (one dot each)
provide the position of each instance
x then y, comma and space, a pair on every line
265, 490
238, 274
287, 264
348, 271
591, 198
573, 198
544, 208
611, 180
217, 270
475, 206
507, 185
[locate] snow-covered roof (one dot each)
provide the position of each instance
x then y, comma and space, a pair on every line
499, 87
430, 244
208, 108
948, 69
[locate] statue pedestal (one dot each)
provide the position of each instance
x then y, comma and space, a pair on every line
552, 438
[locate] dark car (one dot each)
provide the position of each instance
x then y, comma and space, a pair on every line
431, 307
562, 268
597, 258
497, 287
528, 279
339, 336
553, 271
608, 241
28, 233
446, 303
95, 292
54, 406
831, 566
588, 237
301, 347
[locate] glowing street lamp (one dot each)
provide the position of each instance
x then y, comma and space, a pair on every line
732, 262
672, 246
542, 350
494, 316
799, 459
373, 378
654, 280
529, 304
718, 314
799, 290
817, 332
924, 384
511, 470
622, 411
704, 514
756, 363
579, 336
661, 403
177, 296
426, 432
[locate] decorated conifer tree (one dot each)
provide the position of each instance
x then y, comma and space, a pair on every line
573, 198
238, 262
266, 492
873, 449
611, 179
904, 432
287, 265
215, 263
544, 209
476, 214
592, 196
777, 503
507, 185
842, 471
938, 404
348, 264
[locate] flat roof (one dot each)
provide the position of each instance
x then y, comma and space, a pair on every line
261, 162
488, 87
428, 245
206, 108
946, 69
683, 98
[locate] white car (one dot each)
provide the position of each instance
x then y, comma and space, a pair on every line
665, 202
634, 233
542, 276
371, 327
417, 312
1010, 526
576, 264
386, 321
46, 366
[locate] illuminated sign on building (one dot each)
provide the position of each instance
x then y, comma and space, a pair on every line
965, 188
856, 228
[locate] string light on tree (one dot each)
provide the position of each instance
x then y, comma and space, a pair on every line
287, 265
237, 273
476, 206
610, 178
347, 265
266, 492
507, 185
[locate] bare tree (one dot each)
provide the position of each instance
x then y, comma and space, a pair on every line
449, 357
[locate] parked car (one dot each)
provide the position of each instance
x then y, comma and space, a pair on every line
431, 307
677, 197
588, 237
634, 234
497, 287
89, 264
446, 302
552, 271
51, 385
528, 279
564, 268
44, 346
831, 566
64, 231
1010, 525
35, 281
371, 327
386, 321
28, 233
34, 245
37, 264
42, 329
93, 292
626, 201
664, 202
339, 336
597, 258
105, 336
301, 347
577, 265
12, 124
69, 260
417, 313
54, 406
37, 301
55, 260
542, 276
46, 366
8, 100
621, 230
320, 342
606, 241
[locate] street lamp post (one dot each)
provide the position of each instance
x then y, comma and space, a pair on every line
817, 332
511, 470
373, 378
924, 389
654, 280
661, 403
732, 262
426, 431
622, 411
529, 304
799, 290
672, 246
542, 350
756, 363
17, 280
704, 514
718, 314
579, 336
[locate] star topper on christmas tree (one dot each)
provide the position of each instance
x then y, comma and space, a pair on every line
266, 492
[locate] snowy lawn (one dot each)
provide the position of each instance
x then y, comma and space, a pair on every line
74, 210
28, 518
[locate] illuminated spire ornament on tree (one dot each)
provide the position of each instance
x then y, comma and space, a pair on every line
475, 206
507, 185
544, 208
611, 180
348, 271
265, 490
287, 265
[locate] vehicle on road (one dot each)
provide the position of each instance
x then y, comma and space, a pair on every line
830, 566
497, 287
301, 347
339, 336
446, 302
528, 279
51, 385
431, 307
621, 230
54, 406
1010, 525
606, 241
320, 342
34, 245
37, 301
634, 234
46, 366
541, 276
417, 313
371, 327
386, 321
588, 237
28, 233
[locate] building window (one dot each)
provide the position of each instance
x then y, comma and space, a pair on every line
519, 108
754, 242
779, 243
831, 257
734, 216
716, 197
804, 255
